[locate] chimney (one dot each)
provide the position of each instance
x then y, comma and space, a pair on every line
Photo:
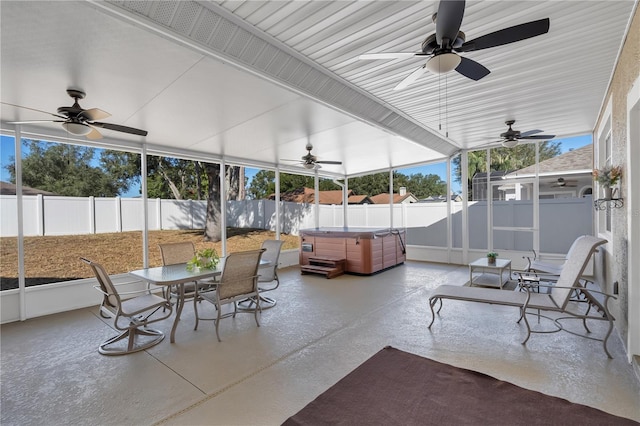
403, 191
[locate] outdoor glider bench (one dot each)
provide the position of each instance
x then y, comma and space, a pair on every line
558, 299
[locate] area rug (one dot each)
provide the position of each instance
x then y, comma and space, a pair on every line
398, 388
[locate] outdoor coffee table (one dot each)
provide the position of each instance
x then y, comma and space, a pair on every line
483, 273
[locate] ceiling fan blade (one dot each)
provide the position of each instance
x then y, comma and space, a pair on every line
33, 109
538, 137
390, 55
36, 121
94, 114
529, 133
119, 128
448, 20
329, 162
472, 69
94, 134
507, 35
411, 78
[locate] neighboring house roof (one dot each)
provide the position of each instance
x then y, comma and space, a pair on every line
359, 199
307, 195
8, 188
397, 198
577, 159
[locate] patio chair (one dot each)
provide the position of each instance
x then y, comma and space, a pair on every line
558, 298
130, 316
178, 253
267, 274
537, 269
239, 281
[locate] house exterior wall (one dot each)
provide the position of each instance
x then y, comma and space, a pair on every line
614, 256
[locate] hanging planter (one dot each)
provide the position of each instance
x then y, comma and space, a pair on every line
608, 176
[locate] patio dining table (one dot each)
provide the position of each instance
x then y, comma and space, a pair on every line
179, 275
176, 275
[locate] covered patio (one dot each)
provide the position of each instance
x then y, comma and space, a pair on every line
251, 84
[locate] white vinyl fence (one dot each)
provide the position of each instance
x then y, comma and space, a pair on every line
561, 220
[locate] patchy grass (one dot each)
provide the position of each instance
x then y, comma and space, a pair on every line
56, 258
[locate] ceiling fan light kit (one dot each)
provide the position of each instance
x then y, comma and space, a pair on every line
443, 63
510, 143
442, 48
310, 161
76, 128
79, 121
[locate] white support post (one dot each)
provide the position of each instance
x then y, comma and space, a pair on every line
145, 207
345, 203
489, 203
223, 207
536, 202
21, 281
464, 168
316, 198
390, 198
449, 221
278, 217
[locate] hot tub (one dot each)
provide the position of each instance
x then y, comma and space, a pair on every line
365, 250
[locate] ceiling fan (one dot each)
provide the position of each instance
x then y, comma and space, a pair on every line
511, 137
443, 47
310, 161
79, 121
562, 182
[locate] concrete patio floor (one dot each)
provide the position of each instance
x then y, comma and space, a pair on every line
320, 330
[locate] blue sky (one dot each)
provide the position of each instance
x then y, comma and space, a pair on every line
7, 151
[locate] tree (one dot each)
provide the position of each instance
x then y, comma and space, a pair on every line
66, 170
174, 178
212, 229
418, 184
263, 184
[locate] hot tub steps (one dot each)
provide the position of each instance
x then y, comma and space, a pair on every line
328, 266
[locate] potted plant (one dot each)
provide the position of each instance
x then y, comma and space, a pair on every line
204, 259
491, 257
608, 176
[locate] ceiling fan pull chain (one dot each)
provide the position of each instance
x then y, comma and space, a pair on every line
446, 105
439, 106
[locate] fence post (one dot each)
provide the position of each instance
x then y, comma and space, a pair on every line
118, 214
40, 218
366, 215
92, 214
159, 213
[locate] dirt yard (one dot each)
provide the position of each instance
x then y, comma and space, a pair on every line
56, 258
